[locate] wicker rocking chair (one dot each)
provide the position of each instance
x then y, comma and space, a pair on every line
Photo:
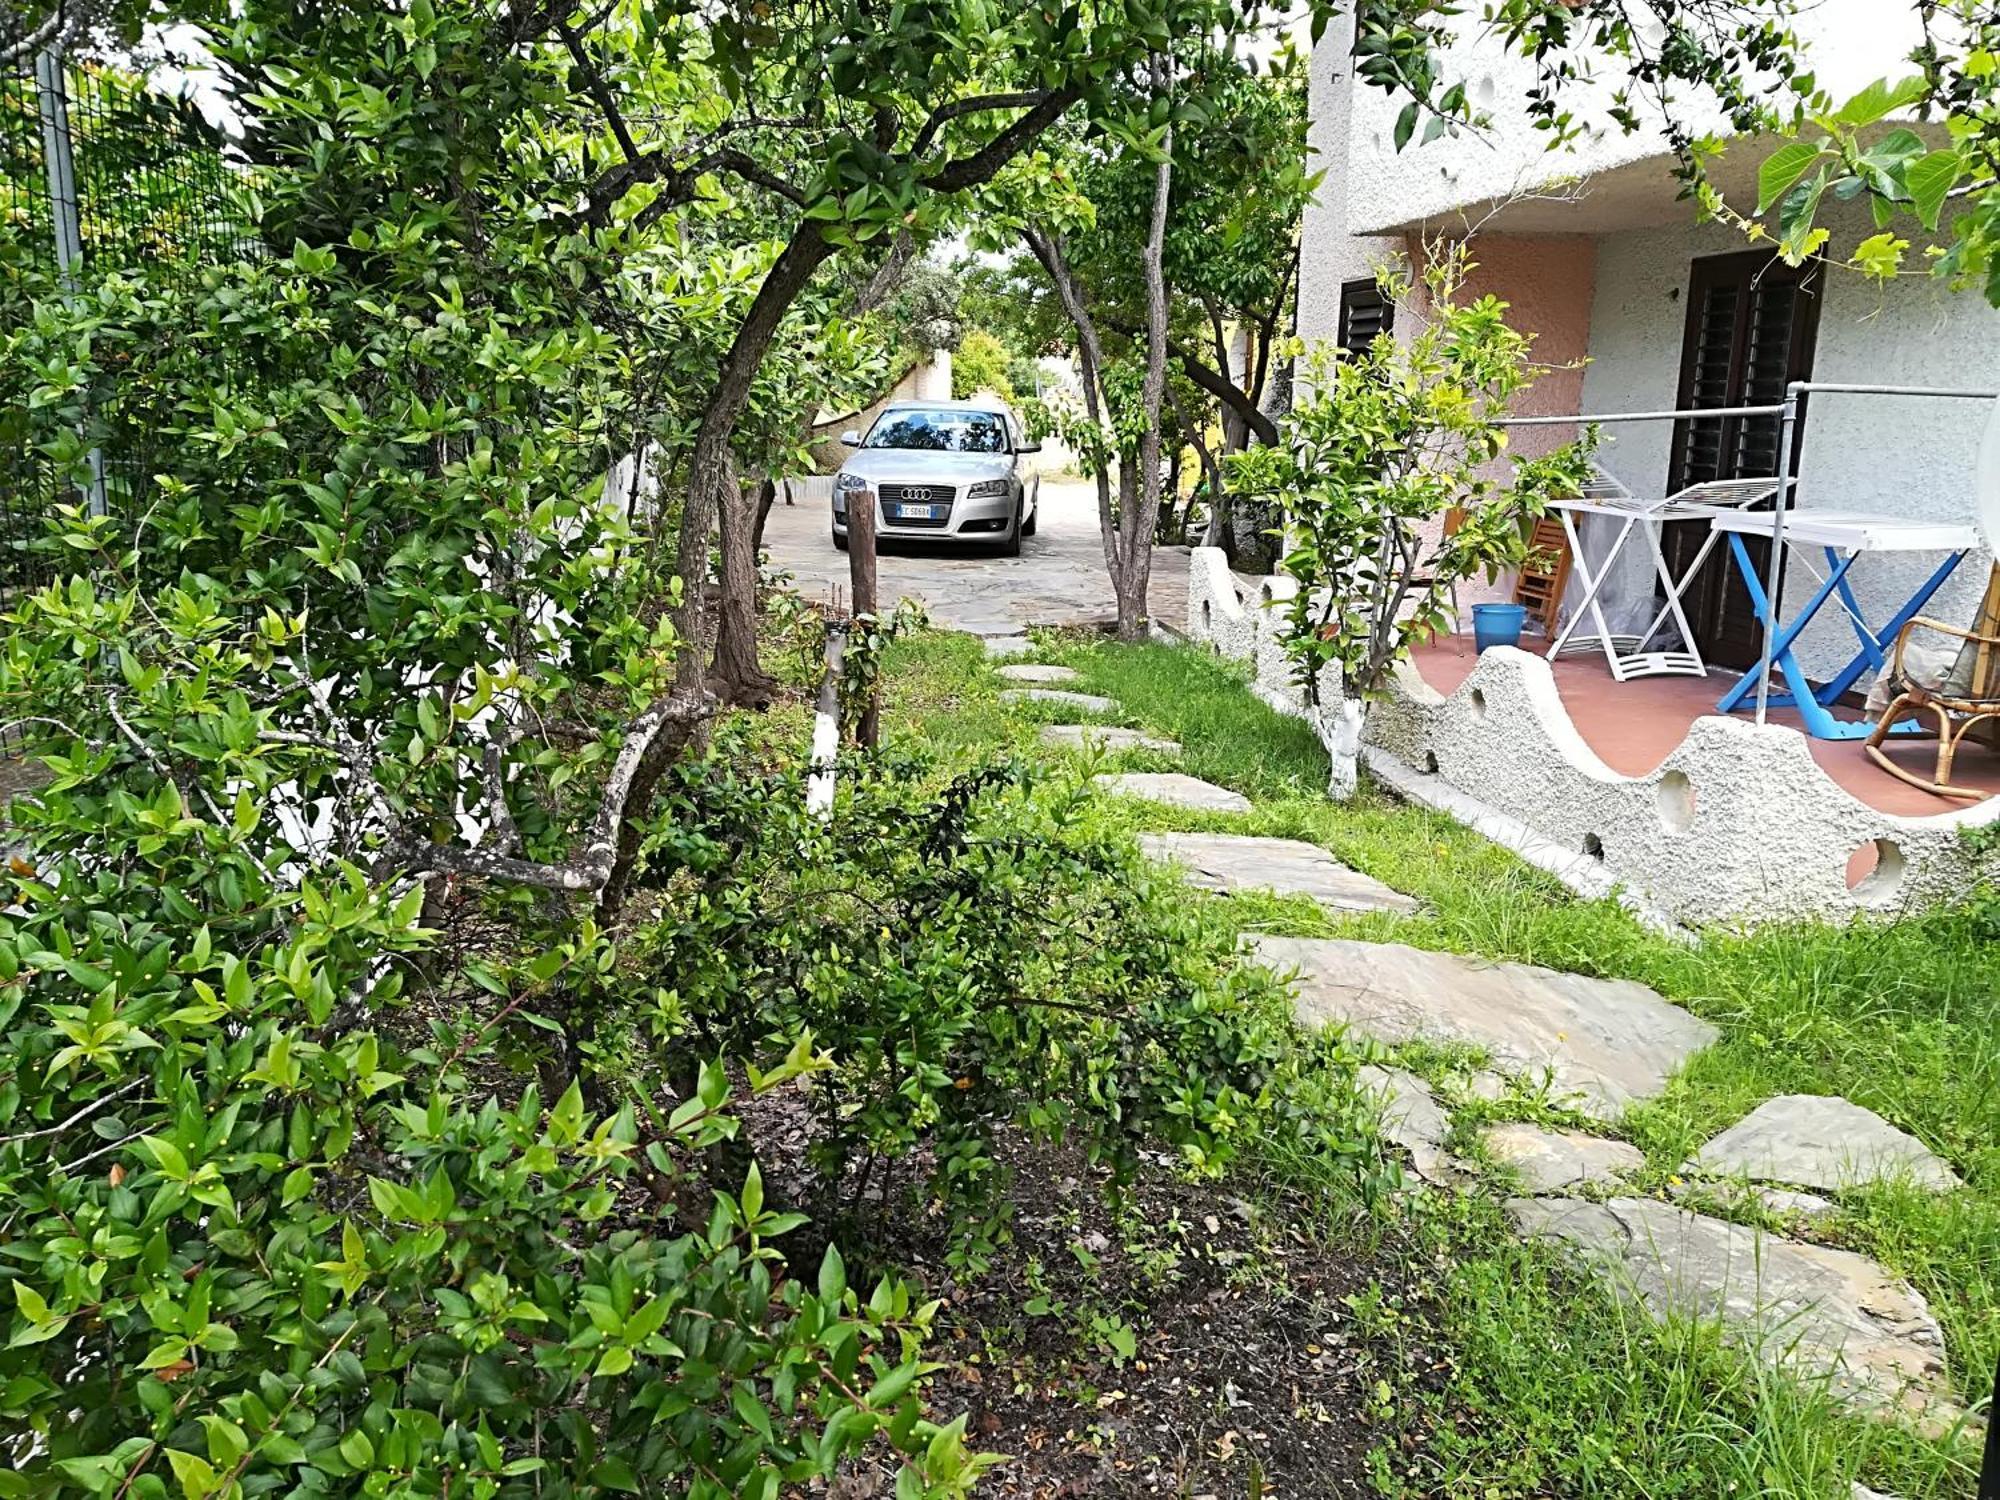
1965, 699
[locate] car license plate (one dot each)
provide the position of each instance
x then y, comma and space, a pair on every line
917, 512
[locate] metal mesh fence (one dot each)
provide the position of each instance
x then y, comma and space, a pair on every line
99, 174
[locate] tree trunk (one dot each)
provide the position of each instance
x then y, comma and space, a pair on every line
1136, 524
767, 496
709, 478
739, 677
1341, 732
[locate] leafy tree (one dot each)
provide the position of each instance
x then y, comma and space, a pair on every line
925, 311
1386, 441
861, 133
982, 363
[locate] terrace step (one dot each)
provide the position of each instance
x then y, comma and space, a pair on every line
1104, 737
1291, 867
1088, 702
1038, 672
1601, 1043
1827, 1314
1174, 789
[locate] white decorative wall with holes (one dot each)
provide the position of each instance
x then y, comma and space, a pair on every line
1738, 825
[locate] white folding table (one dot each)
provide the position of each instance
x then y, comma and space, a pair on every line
1629, 656
1845, 537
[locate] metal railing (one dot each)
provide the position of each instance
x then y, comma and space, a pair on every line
1787, 413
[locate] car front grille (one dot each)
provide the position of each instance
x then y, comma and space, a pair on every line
895, 496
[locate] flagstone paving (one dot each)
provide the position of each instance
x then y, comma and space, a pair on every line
1037, 672
1819, 1141
1103, 736
1175, 789
1411, 1118
1561, 1161
1598, 1045
1008, 645
1825, 1313
1602, 1043
1089, 702
1291, 867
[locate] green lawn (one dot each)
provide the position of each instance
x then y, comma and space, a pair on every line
1553, 1387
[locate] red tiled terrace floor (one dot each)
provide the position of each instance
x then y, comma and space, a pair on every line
1633, 726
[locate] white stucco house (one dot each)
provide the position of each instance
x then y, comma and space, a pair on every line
1645, 787
1602, 260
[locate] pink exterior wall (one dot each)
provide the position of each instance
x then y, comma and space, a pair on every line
1547, 282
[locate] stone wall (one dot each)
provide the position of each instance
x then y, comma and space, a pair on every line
1737, 826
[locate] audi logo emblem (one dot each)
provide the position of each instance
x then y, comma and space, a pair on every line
917, 492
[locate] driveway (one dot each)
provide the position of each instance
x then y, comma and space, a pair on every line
1059, 578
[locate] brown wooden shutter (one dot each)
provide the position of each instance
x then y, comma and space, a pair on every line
1751, 321
1364, 313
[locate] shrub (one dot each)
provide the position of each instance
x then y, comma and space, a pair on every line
977, 958
1387, 440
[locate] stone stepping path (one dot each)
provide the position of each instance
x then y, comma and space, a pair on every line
1819, 1141
1599, 1045
1602, 1043
1413, 1119
1561, 1161
1824, 1313
1172, 788
1088, 702
1001, 646
1104, 737
1036, 672
1291, 867
1740, 1198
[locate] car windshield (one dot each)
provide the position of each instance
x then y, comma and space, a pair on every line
941, 431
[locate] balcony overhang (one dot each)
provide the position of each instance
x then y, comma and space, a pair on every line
1612, 186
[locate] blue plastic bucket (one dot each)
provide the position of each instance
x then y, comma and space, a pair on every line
1498, 624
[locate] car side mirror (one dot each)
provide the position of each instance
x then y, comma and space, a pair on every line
850, 439
1029, 448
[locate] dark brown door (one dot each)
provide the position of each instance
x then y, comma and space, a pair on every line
1750, 325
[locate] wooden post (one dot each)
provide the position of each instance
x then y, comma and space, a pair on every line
861, 577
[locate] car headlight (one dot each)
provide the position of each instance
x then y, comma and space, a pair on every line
850, 483
986, 488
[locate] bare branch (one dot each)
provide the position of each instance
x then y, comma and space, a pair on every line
590, 870
944, 114
594, 84
82, 1114
979, 167
160, 766
61, 27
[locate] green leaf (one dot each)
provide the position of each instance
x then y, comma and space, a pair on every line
1880, 98
198, 1479
566, 1119
357, 1449
1781, 170
31, 1302
832, 1277
751, 1410
615, 1360
1880, 255
1929, 181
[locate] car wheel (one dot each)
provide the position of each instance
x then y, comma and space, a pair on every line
840, 540
1034, 519
1011, 547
